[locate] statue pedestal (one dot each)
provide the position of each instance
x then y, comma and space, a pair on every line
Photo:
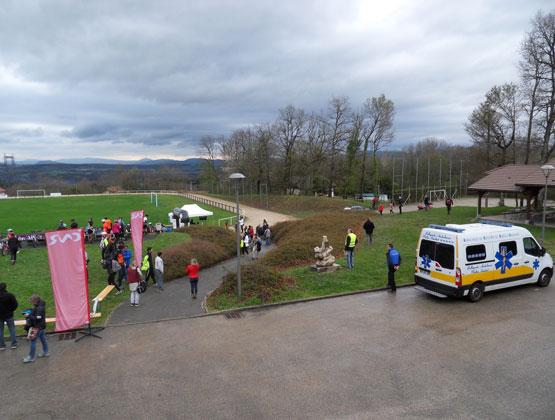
325, 269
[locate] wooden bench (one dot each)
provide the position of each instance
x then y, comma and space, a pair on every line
101, 296
21, 322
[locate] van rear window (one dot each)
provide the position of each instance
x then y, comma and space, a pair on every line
442, 253
475, 253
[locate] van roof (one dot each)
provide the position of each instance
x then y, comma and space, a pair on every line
473, 231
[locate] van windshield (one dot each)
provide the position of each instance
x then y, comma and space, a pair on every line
443, 254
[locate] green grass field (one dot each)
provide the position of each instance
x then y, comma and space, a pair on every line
370, 268
38, 214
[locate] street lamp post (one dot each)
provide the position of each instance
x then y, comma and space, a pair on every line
546, 171
238, 177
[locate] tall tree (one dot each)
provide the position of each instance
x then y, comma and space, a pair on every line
289, 127
338, 122
377, 132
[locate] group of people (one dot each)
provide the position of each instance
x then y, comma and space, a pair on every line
393, 257
252, 238
35, 323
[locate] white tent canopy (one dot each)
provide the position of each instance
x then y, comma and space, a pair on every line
193, 210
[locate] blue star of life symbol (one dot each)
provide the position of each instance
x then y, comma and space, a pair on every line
503, 259
536, 264
426, 261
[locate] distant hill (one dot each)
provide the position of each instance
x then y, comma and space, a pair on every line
74, 170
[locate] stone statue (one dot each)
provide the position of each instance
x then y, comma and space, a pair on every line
325, 261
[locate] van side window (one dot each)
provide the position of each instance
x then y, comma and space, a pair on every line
475, 253
427, 248
511, 247
445, 255
531, 247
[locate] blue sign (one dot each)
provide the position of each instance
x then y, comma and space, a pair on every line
504, 259
536, 264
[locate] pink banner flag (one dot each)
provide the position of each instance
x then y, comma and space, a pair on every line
137, 220
68, 268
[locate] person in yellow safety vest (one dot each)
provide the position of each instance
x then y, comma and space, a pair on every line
242, 246
146, 264
350, 243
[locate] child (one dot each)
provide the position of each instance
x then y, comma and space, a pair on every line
391, 207
381, 209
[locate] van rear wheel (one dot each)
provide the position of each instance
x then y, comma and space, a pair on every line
545, 278
476, 292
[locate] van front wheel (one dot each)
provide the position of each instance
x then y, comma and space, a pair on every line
545, 278
475, 292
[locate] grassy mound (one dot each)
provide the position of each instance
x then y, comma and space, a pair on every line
296, 240
258, 285
208, 244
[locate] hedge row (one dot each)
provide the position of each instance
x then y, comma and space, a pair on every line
257, 281
208, 244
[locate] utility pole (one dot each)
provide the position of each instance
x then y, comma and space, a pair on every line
393, 181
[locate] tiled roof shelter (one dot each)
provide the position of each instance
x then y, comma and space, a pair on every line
521, 180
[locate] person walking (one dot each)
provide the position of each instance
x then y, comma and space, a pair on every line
391, 207
381, 208
148, 266
268, 236
13, 246
448, 204
350, 243
368, 227
400, 204
134, 277
37, 323
8, 304
159, 271
257, 247
192, 271
246, 243
393, 259
426, 202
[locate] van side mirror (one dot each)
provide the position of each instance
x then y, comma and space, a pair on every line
542, 251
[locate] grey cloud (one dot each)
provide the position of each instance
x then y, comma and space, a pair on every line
159, 75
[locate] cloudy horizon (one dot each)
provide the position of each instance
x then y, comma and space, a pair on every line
135, 79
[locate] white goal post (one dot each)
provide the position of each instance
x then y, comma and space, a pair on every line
31, 193
154, 198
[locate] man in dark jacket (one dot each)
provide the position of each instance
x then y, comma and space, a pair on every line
150, 271
393, 259
8, 304
13, 246
37, 319
368, 227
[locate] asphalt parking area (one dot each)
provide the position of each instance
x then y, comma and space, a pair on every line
372, 355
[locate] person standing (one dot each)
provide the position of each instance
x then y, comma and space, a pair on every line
391, 207
159, 271
246, 243
400, 204
134, 277
8, 304
13, 246
257, 247
37, 322
426, 202
381, 208
368, 227
268, 236
350, 243
192, 271
393, 259
448, 204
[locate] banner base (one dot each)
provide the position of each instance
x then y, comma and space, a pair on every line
89, 333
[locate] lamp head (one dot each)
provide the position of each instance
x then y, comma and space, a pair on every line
547, 169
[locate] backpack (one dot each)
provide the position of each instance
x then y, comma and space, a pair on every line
394, 257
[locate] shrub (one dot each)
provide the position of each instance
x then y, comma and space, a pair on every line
208, 244
257, 281
296, 239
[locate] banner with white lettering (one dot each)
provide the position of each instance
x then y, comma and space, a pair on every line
137, 220
68, 268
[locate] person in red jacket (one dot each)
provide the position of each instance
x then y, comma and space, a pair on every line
192, 272
134, 277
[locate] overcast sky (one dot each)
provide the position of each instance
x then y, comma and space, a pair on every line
133, 79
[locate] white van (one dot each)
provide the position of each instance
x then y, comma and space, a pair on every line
468, 260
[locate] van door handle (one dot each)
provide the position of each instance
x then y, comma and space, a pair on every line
438, 269
516, 263
526, 262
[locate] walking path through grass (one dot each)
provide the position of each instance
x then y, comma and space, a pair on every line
254, 216
175, 301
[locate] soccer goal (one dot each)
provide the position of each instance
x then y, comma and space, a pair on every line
31, 193
154, 198
437, 195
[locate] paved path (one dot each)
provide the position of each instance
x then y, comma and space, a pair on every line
374, 355
175, 300
254, 215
